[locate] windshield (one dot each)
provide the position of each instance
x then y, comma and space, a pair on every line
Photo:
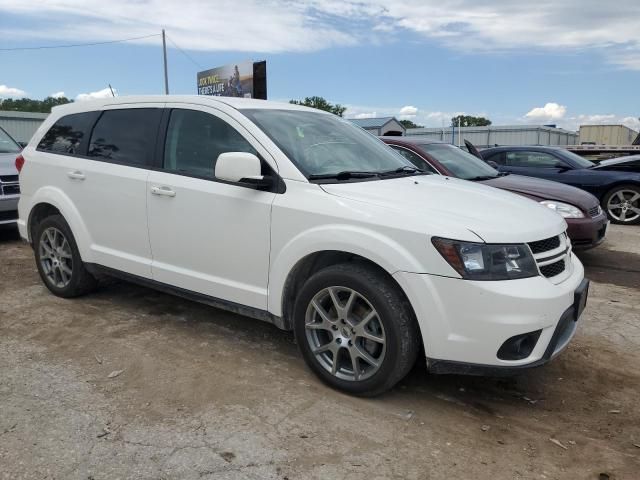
577, 159
320, 144
460, 163
8, 144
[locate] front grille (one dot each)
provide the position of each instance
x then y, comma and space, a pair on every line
10, 189
553, 269
595, 211
545, 245
8, 178
11, 215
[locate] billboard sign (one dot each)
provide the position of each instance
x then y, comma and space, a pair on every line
244, 80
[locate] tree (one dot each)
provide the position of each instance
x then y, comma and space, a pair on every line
31, 105
470, 121
321, 104
410, 124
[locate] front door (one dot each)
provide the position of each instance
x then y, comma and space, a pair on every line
208, 236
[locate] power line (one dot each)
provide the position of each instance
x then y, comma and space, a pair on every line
185, 54
78, 44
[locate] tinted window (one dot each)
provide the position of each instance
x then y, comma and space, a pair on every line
532, 159
69, 134
196, 139
497, 157
414, 158
126, 136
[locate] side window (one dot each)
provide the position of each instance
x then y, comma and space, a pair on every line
195, 140
497, 157
126, 136
414, 158
69, 135
532, 160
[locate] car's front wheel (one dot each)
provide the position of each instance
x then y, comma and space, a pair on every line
355, 329
622, 204
58, 259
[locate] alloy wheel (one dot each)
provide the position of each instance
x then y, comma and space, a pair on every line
56, 258
345, 333
624, 205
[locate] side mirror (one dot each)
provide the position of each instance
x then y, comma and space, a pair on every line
243, 168
493, 164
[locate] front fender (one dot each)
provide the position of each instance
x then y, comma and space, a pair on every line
380, 249
59, 199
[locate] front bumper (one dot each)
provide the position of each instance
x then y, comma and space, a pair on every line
586, 233
464, 323
8, 209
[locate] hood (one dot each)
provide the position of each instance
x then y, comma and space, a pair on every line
544, 190
8, 164
630, 164
435, 203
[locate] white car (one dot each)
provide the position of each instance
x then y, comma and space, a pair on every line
297, 217
9, 187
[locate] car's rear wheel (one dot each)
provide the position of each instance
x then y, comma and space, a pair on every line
355, 329
58, 259
622, 204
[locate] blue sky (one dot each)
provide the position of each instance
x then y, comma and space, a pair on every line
565, 62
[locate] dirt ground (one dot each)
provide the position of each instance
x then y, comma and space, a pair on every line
131, 383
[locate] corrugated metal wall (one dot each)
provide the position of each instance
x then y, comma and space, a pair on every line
21, 125
501, 135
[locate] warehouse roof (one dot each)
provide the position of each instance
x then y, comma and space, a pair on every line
371, 122
14, 114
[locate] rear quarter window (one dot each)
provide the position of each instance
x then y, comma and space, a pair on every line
69, 134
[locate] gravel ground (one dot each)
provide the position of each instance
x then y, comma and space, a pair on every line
131, 383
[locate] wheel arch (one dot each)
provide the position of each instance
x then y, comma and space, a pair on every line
50, 201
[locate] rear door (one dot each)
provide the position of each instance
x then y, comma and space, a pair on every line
104, 172
207, 235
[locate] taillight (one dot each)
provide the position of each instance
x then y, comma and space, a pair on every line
19, 162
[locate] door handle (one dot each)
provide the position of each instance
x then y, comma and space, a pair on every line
163, 191
76, 175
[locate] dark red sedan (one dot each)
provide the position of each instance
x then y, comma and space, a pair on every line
586, 220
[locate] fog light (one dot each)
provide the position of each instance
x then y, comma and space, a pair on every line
519, 346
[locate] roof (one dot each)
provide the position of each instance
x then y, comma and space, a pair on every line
493, 128
413, 140
371, 122
238, 103
29, 115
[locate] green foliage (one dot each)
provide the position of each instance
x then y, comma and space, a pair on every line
410, 124
470, 121
31, 105
321, 104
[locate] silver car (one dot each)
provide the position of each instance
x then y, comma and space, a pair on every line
9, 186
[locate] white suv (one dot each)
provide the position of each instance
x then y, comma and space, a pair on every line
297, 217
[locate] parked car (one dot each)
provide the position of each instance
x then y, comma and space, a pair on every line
617, 190
586, 220
629, 163
297, 217
9, 186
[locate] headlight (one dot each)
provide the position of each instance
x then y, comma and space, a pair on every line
482, 261
565, 209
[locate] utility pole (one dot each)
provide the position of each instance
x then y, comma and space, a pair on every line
164, 53
459, 133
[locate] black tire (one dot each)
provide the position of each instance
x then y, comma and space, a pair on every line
616, 214
396, 317
80, 281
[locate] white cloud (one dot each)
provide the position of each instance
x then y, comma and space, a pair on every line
6, 91
57, 95
104, 93
574, 122
550, 111
306, 25
408, 112
365, 115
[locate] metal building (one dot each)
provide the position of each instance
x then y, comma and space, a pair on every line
21, 125
380, 126
500, 135
606, 135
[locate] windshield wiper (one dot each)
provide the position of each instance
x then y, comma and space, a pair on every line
344, 175
406, 169
482, 177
